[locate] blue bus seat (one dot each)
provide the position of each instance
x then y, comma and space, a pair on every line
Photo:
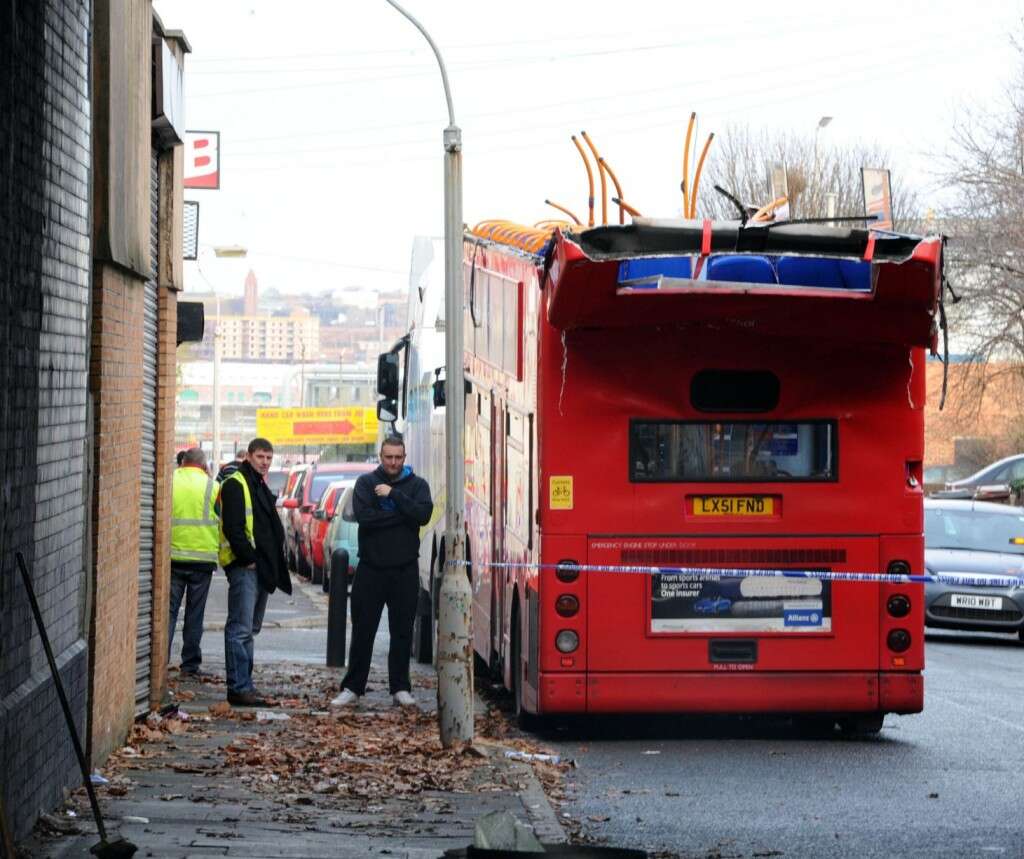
647, 273
741, 269
825, 273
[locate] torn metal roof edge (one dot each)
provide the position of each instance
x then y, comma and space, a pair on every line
657, 237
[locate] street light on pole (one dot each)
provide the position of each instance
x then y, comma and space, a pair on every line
454, 645
822, 123
221, 252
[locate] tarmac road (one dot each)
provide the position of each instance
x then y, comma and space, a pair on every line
947, 782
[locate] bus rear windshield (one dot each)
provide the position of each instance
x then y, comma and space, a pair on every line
737, 451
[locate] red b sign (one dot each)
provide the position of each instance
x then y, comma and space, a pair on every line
202, 159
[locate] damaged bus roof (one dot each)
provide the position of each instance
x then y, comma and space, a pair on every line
783, 279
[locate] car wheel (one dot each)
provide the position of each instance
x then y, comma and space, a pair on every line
316, 574
303, 564
291, 561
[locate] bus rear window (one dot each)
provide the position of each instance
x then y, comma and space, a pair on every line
737, 451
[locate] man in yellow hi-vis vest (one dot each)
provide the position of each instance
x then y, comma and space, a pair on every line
252, 555
195, 540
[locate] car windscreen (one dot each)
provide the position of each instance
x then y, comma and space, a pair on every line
322, 481
977, 530
276, 481
721, 451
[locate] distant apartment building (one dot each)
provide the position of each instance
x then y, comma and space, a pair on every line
292, 338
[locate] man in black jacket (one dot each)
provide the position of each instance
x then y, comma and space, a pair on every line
252, 555
390, 504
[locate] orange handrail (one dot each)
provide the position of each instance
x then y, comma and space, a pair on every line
618, 188
696, 175
590, 181
600, 170
686, 165
627, 207
768, 208
564, 211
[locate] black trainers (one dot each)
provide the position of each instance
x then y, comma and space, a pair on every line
247, 699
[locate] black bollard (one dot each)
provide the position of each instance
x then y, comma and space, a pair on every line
337, 609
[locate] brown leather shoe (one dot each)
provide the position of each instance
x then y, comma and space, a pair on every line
245, 699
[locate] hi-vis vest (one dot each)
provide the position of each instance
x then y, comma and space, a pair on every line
226, 555
194, 524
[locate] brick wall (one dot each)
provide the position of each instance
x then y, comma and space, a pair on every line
116, 385
122, 113
995, 419
44, 306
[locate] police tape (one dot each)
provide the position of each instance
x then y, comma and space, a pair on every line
716, 573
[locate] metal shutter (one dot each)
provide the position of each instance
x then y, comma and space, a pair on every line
144, 634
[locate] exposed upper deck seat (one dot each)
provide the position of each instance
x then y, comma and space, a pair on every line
824, 273
741, 269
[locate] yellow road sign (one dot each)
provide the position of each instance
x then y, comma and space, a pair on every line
340, 425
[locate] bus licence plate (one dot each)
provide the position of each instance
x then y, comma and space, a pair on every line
974, 601
733, 505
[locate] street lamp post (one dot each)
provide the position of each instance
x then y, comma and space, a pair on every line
822, 123
230, 252
215, 453
454, 645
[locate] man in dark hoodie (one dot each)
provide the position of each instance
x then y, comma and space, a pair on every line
252, 555
390, 504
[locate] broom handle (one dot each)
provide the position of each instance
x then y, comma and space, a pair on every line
63, 698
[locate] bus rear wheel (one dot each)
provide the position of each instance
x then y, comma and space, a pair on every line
526, 720
866, 725
422, 630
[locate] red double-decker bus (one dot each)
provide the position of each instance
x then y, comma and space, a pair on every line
676, 397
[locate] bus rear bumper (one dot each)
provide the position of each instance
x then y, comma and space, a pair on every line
732, 692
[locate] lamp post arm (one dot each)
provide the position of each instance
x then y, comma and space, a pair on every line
437, 53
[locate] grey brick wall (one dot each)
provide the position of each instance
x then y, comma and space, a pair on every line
44, 306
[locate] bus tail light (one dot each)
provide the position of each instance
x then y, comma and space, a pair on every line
567, 605
567, 641
898, 605
567, 570
898, 640
899, 568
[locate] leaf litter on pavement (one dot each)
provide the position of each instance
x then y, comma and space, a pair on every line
326, 756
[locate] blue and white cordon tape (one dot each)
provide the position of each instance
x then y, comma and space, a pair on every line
714, 573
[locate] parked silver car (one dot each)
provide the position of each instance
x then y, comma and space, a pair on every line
978, 539
991, 483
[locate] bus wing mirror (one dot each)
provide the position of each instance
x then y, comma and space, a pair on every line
387, 410
387, 375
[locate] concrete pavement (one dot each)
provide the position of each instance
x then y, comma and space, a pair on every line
240, 782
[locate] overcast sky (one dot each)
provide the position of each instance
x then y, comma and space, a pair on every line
331, 113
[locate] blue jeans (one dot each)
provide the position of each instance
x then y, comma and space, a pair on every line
196, 586
247, 602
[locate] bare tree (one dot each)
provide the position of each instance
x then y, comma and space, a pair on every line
742, 157
983, 171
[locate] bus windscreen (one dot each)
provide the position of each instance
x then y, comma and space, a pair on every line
732, 451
